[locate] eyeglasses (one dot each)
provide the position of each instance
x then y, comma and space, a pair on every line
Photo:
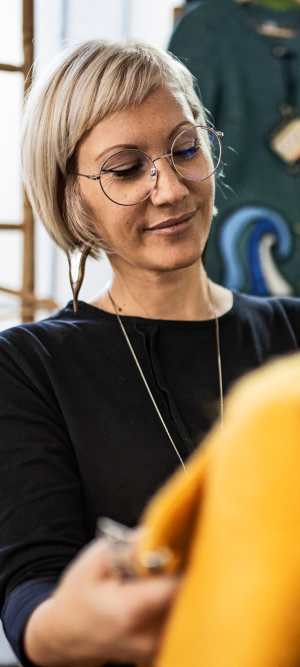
129, 176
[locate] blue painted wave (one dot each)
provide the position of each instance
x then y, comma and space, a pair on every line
265, 229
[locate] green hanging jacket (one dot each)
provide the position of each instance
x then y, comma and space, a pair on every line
255, 240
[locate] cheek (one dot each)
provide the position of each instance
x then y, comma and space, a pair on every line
115, 224
205, 194
88, 189
111, 222
96, 202
90, 198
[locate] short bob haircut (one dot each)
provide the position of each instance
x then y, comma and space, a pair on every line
83, 86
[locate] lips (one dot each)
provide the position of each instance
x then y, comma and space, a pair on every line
171, 222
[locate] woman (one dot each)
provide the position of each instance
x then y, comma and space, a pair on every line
101, 402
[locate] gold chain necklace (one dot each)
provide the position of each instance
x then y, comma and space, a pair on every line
141, 372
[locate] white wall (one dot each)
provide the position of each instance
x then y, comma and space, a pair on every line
10, 113
57, 21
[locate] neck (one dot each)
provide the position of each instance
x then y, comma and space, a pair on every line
279, 5
185, 294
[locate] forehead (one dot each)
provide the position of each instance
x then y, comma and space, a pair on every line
144, 125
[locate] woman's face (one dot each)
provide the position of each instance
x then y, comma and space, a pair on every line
129, 231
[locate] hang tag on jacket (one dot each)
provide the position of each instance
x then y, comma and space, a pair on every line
285, 141
272, 29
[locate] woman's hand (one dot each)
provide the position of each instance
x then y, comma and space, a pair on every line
95, 617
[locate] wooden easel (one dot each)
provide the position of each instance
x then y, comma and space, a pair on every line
178, 12
28, 302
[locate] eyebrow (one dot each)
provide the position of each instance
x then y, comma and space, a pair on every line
107, 150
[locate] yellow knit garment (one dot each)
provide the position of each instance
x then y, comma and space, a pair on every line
232, 523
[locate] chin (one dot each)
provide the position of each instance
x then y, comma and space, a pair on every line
178, 252
176, 263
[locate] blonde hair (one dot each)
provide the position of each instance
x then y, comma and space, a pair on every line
82, 87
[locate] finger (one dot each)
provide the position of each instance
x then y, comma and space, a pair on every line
150, 598
144, 643
94, 562
139, 648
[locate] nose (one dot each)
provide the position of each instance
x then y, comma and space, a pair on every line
170, 187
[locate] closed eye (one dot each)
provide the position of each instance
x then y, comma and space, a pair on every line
187, 153
124, 172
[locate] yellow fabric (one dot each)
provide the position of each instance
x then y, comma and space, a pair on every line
232, 523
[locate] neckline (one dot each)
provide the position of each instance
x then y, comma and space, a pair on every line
84, 308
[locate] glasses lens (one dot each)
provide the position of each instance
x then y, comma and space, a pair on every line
127, 177
196, 153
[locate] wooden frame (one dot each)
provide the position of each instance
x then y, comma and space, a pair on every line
28, 302
178, 12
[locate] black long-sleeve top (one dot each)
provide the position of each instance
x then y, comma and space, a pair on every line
79, 436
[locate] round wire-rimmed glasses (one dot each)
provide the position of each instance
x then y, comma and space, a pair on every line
129, 176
